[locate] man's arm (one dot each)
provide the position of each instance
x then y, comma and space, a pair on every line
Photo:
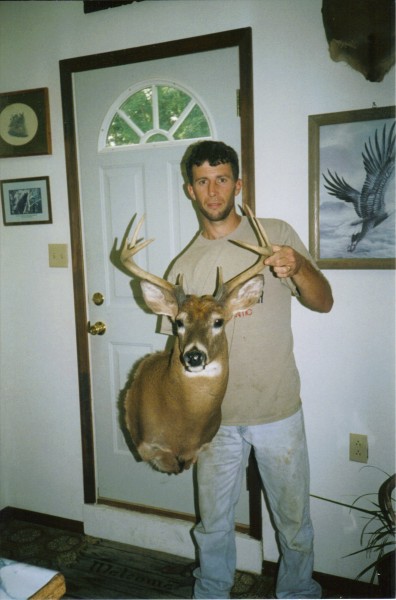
315, 291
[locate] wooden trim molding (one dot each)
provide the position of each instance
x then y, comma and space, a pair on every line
152, 510
9, 513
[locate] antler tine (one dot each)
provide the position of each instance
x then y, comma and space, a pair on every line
264, 249
259, 229
130, 248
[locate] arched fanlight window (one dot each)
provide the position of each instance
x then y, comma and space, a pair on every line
157, 112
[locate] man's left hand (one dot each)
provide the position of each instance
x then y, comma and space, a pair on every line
285, 261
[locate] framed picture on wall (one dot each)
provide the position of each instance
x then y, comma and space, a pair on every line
352, 189
24, 123
26, 201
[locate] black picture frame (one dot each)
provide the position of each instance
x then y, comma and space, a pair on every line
26, 201
25, 123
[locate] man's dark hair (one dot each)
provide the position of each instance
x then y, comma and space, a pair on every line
215, 153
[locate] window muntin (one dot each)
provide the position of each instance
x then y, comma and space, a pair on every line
158, 112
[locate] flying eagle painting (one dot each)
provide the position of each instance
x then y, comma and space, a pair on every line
368, 202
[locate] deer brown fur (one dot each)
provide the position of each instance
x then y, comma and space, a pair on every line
173, 407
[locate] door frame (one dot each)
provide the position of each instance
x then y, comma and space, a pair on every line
240, 38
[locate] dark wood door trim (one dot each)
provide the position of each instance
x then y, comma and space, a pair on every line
240, 38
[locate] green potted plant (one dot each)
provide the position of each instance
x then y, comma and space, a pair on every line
378, 535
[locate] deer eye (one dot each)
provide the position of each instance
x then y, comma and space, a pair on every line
218, 323
179, 323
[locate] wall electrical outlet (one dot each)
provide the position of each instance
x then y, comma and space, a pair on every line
57, 255
358, 447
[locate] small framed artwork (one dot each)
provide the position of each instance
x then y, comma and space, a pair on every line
352, 189
24, 123
26, 201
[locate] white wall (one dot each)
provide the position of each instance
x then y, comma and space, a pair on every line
346, 358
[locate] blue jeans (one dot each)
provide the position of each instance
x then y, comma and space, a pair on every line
281, 454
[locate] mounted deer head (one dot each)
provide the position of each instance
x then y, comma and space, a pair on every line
361, 33
173, 407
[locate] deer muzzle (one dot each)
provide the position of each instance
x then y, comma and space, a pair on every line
194, 360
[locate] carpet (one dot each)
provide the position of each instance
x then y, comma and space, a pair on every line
99, 569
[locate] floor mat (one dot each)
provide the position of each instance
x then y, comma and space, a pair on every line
98, 569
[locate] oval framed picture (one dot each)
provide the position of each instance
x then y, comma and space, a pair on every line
24, 123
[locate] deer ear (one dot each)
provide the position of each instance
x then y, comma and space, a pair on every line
160, 300
244, 295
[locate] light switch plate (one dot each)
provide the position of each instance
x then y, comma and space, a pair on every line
57, 255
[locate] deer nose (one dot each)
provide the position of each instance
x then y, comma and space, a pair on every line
194, 359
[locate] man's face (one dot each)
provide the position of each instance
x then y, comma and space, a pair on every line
214, 190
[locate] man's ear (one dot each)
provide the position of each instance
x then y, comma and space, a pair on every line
191, 191
238, 186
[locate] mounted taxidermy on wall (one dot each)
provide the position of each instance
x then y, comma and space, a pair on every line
95, 5
361, 33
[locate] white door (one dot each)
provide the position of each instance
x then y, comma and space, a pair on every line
116, 184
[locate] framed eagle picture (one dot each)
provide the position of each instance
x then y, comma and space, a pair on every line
352, 189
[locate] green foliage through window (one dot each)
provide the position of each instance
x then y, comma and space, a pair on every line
157, 113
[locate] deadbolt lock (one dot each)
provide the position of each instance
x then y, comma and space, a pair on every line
98, 298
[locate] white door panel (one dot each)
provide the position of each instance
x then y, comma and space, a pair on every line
115, 185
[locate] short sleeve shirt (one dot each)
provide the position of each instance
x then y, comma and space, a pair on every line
264, 383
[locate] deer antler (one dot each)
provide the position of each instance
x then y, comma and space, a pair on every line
264, 249
130, 248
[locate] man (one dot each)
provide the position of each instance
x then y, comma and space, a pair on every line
262, 406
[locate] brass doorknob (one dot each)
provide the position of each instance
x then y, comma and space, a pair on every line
98, 328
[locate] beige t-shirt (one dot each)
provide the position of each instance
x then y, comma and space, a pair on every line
264, 383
